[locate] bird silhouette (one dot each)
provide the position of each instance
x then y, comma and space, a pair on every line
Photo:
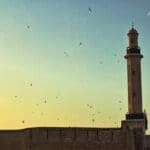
66, 54
93, 120
80, 43
90, 10
23, 121
89, 106
28, 26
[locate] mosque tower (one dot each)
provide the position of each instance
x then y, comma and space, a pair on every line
133, 57
136, 118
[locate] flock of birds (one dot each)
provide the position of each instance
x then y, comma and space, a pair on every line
58, 97
90, 107
94, 115
66, 54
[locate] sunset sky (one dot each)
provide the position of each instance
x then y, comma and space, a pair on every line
62, 61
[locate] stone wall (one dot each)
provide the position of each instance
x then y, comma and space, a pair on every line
129, 137
65, 139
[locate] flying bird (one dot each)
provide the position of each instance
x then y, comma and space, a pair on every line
66, 54
91, 106
80, 43
23, 121
90, 10
28, 26
93, 120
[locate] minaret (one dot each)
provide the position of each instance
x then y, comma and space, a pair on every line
133, 57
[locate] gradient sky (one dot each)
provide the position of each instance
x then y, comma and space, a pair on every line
82, 84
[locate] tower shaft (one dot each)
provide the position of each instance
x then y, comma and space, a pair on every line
134, 83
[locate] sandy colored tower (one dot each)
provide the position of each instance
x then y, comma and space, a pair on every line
136, 119
133, 57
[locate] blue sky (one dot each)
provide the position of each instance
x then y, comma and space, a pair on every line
40, 44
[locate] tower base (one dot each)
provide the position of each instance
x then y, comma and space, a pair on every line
135, 116
138, 116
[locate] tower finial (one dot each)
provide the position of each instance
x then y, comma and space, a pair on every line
132, 24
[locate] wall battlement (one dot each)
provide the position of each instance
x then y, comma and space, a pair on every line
66, 134
66, 138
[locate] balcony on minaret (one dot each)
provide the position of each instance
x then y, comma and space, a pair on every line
133, 41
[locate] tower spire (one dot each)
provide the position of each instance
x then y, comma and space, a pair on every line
132, 24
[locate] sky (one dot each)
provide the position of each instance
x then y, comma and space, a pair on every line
62, 62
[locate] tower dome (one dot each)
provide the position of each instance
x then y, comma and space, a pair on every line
132, 31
